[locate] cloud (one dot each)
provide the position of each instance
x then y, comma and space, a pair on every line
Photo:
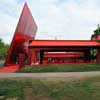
67, 19
9, 14
63, 19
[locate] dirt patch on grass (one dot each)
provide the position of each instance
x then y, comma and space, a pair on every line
29, 95
43, 97
2, 97
12, 98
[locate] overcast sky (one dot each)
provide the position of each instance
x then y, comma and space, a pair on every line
60, 19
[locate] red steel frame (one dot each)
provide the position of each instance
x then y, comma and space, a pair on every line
24, 49
26, 30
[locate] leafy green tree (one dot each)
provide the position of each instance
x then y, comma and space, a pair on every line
3, 49
96, 32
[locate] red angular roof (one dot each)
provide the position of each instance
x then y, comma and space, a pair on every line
64, 43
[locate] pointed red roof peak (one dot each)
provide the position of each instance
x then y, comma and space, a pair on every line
25, 4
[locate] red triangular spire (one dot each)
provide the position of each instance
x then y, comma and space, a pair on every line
25, 30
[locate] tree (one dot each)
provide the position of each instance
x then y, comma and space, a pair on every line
96, 32
3, 49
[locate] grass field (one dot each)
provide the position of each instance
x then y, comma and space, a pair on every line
61, 68
45, 89
11, 89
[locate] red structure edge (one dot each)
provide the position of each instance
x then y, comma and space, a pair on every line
25, 50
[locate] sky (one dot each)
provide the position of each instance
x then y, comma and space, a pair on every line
56, 19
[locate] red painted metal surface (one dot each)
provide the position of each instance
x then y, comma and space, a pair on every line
63, 54
25, 30
64, 43
10, 69
62, 57
24, 46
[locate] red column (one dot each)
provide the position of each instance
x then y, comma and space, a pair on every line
98, 56
21, 59
29, 56
37, 56
34, 56
45, 61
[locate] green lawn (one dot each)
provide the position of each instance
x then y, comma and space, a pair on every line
61, 68
45, 89
11, 89
64, 90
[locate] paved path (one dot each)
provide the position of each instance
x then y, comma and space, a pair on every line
50, 75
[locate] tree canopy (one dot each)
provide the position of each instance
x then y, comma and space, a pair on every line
96, 32
3, 49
